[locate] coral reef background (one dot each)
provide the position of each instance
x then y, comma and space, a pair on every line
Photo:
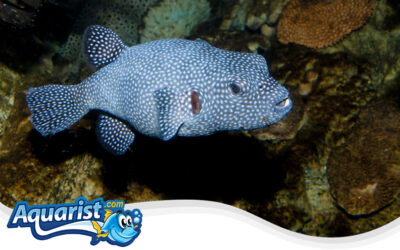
330, 168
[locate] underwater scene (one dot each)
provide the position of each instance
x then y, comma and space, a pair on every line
287, 109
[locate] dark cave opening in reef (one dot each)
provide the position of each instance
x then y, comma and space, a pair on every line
220, 167
217, 167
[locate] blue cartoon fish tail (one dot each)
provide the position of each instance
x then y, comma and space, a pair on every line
55, 107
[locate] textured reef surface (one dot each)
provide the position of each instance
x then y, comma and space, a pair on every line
331, 167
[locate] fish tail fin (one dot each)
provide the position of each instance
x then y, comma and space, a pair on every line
55, 107
98, 229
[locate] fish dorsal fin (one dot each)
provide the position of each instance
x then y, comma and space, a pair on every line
107, 214
203, 42
101, 46
170, 113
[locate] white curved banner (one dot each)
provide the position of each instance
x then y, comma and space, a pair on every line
194, 224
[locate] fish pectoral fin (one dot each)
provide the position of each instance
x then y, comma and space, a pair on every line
114, 135
170, 115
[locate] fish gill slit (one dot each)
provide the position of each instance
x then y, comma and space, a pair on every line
195, 102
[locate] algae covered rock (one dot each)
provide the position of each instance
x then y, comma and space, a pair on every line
9, 81
340, 89
364, 173
241, 14
137, 21
377, 42
235, 14
173, 19
19, 13
122, 16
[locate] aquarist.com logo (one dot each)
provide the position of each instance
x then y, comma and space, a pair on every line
99, 219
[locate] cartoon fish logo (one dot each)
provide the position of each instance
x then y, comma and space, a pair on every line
120, 227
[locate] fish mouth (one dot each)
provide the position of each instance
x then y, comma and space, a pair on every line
283, 106
284, 103
279, 111
123, 237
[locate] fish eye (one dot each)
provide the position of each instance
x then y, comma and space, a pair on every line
129, 220
236, 89
122, 221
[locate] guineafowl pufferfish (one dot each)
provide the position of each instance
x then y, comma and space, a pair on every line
161, 89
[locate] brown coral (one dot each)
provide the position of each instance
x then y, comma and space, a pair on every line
320, 23
364, 174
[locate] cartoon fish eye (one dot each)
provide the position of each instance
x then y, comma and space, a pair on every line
122, 221
236, 89
129, 220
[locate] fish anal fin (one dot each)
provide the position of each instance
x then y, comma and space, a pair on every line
114, 135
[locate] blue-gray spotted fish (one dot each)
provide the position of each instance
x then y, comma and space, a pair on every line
161, 89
